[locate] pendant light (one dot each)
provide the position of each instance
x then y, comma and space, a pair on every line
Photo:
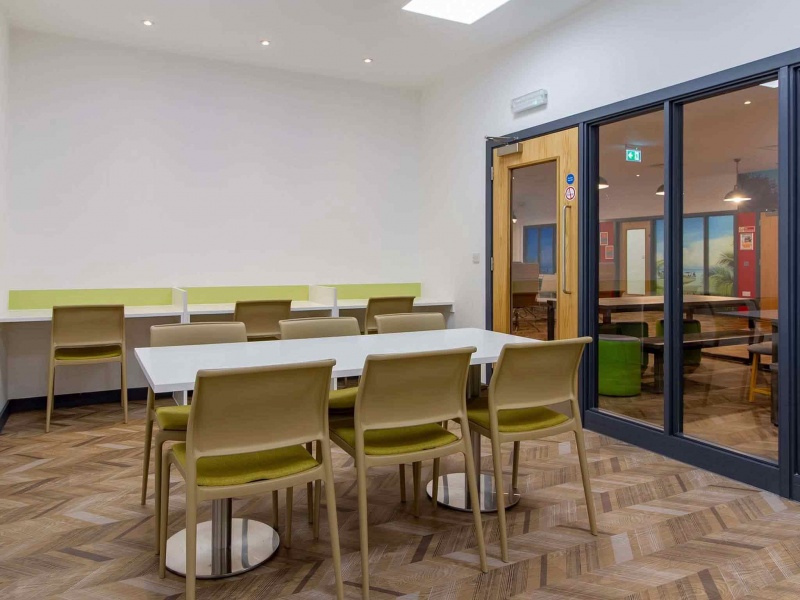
660, 190
737, 195
602, 183
513, 217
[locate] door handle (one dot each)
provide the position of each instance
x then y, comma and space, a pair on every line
564, 246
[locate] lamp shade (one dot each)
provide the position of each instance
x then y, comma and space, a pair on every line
660, 190
602, 183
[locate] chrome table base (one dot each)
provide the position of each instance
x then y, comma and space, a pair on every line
225, 546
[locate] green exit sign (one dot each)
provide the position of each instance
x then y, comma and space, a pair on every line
633, 155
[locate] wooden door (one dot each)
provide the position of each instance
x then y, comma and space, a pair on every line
633, 255
562, 148
768, 261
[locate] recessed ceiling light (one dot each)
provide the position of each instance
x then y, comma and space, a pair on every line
463, 11
367, 60
265, 42
638, 175
147, 23
747, 102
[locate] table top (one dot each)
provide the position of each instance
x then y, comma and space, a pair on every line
173, 369
637, 302
227, 308
362, 302
756, 315
131, 312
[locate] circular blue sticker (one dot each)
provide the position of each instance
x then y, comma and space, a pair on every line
570, 179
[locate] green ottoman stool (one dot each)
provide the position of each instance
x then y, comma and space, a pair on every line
619, 365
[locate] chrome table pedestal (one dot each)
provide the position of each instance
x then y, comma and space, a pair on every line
225, 546
453, 488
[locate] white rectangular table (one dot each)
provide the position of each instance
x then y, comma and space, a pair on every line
174, 369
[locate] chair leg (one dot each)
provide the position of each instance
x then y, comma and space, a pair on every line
587, 484
754, 364
317, 499
497, 463
472, 481
363, 523
515, 467
435, 483
124, 387
402, 470
416, 470
287, 537
333, 524
51, 385
148, 442
310, 491
191, 540
276, 519
163, 514
159, 489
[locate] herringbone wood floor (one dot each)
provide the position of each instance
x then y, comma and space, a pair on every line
71, 527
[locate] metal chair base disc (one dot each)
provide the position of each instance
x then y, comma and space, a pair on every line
453, 493
252, 543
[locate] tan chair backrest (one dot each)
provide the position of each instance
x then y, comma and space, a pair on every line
261, 317
536, 374
409, 322
236, 411
398, 390
194, 334
319, 327
388, 305
80, 326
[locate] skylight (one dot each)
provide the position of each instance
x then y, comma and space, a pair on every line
461, 11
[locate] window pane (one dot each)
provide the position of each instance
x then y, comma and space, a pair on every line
730, 260
534, 206
631, 268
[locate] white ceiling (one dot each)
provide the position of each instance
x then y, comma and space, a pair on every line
324, 37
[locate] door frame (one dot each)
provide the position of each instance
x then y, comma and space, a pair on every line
783, 478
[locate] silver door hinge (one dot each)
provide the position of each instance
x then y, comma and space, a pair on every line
492, 173
491, 264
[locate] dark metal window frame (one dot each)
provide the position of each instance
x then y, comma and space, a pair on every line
670, 441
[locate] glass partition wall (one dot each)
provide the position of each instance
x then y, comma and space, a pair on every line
630, 266
730, 269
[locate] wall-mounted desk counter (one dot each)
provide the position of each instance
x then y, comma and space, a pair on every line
40, 315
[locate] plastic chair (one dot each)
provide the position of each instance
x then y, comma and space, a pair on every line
87, 335
528, 379
388, 305
405, 322
173, 420
402, 401
261, 317
245, 437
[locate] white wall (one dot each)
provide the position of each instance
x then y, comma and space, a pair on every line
610, 51
4, 51
133, 168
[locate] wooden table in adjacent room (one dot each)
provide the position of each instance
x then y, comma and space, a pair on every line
608, 306
243, 543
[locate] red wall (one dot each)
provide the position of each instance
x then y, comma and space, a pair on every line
747, 271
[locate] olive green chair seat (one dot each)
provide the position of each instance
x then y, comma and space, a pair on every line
515, 420
342, 400
238, 469
637, 329
397, 440
619, 366
88, 353
173, 418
